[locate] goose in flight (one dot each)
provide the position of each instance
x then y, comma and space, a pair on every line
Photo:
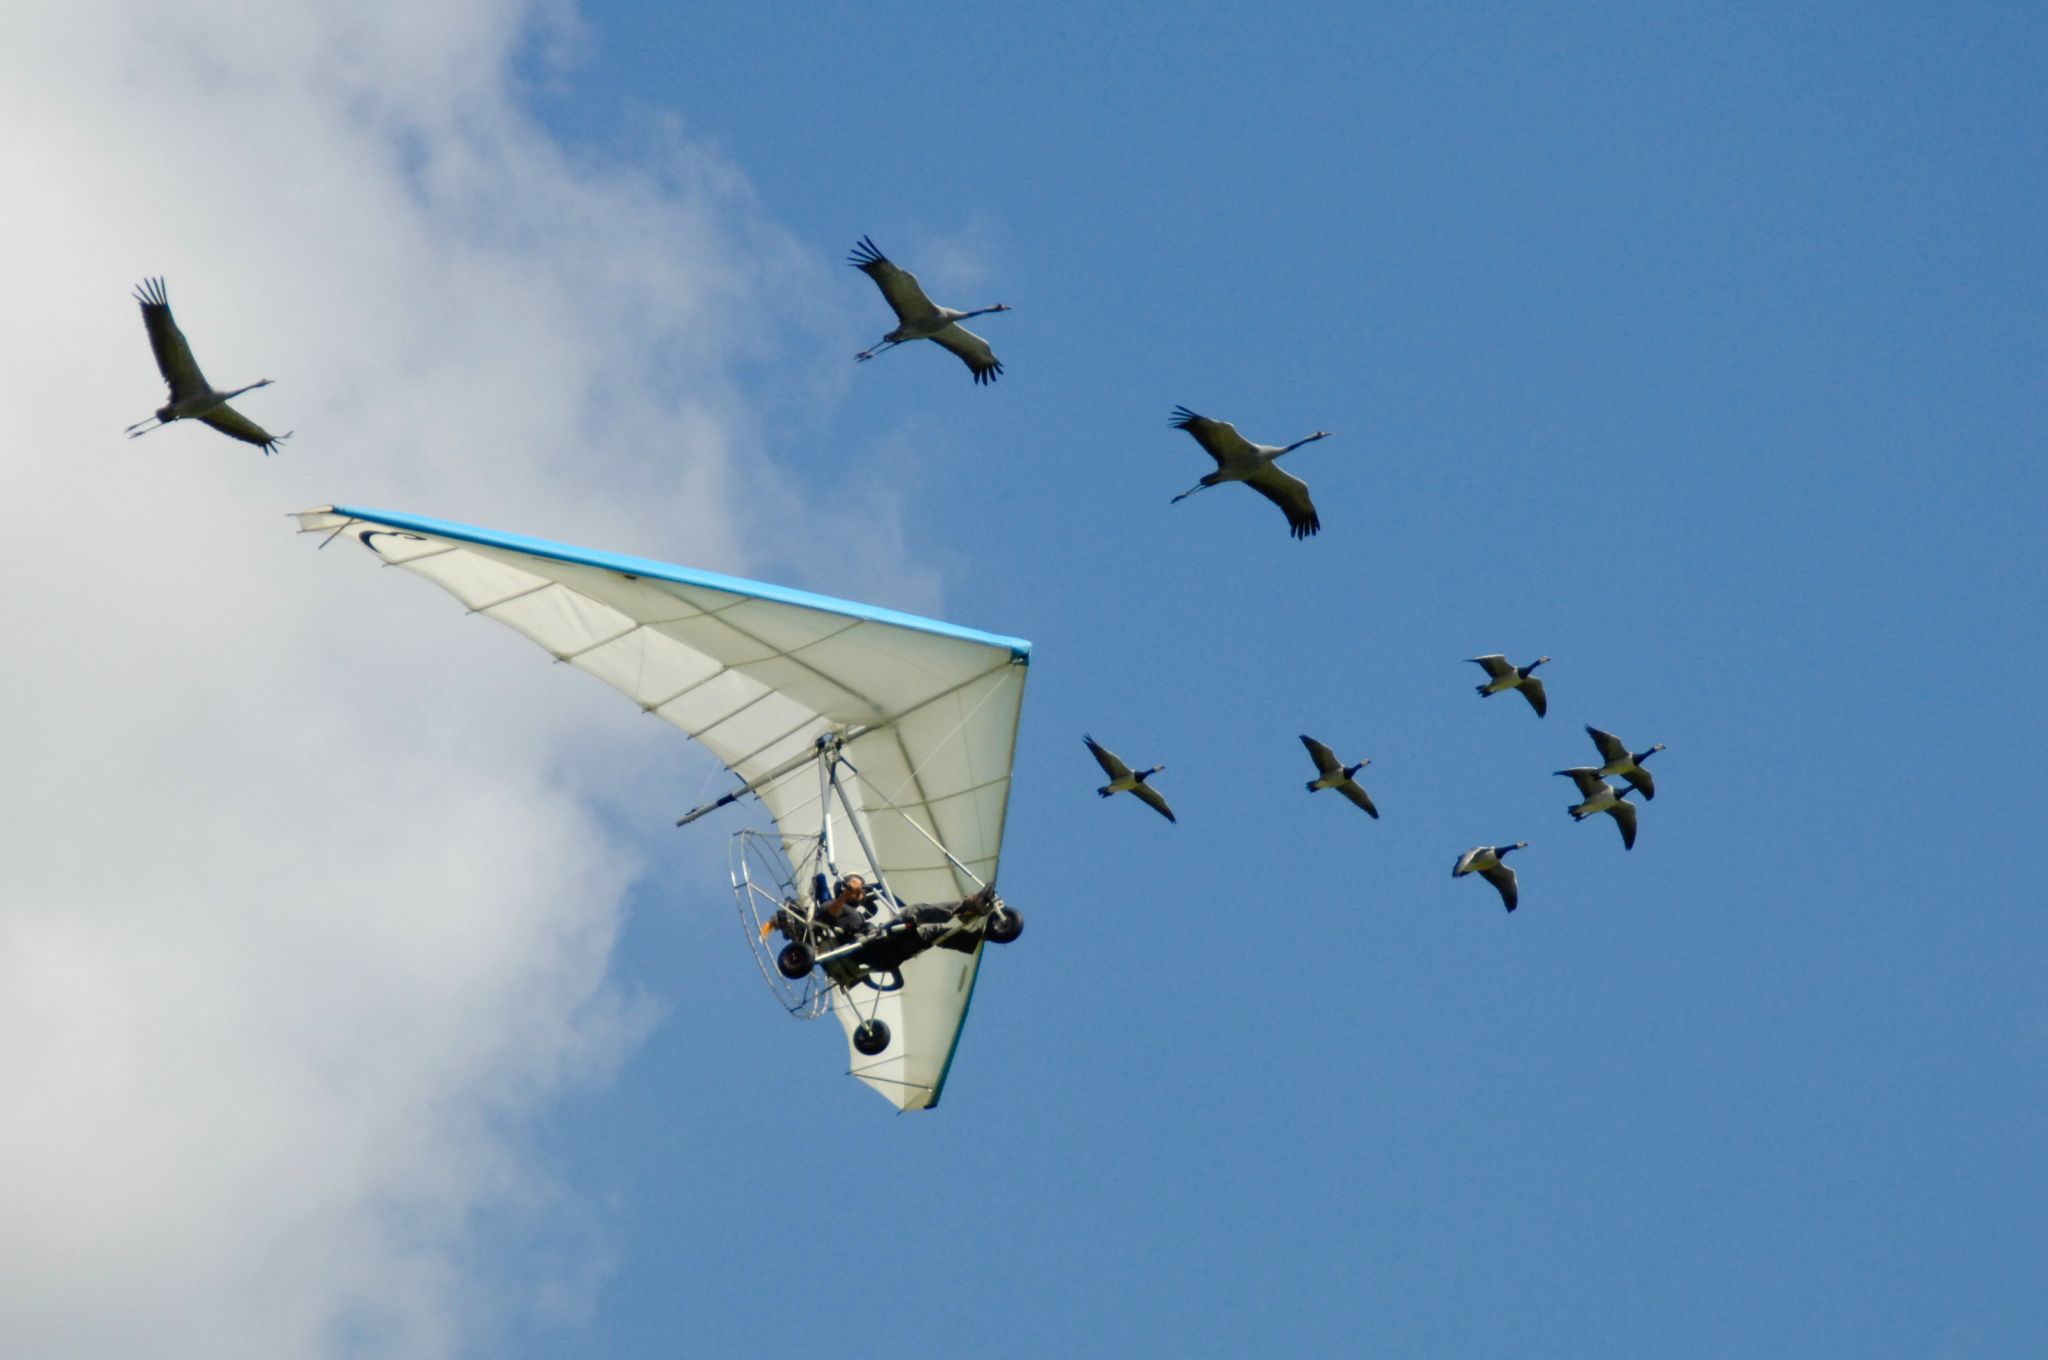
1485, 860
1601, 796
1503, 675
1618, 761
1256, 465
920, 318
1122, 779
192, 397
1335, 774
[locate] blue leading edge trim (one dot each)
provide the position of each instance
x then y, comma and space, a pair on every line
663, 571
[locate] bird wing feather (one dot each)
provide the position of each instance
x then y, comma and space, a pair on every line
1587, 778
1152, 796
1218, 438
1290, 493
1503, 878
1609, 744
1107, 759
1351, 789
1640, 779
173, 355
1495, 665
1625, 814
899, 286
1325, 759
973, 351
231, 422
1532, 690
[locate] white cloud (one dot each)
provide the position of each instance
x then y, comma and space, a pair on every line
298, 918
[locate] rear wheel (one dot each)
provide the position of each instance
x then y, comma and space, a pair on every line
871, 1037
1005, 925
794, 962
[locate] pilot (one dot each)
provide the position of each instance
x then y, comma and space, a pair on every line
847, 910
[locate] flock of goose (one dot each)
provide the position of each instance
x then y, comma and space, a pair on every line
1237, 459
1595, 793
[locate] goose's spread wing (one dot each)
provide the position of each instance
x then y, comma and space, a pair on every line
972, 349
1609, 744
1502, 877
1152, 796
1290, 493
1587, 778
1325, 759
899, 286
1532, 690
1625, 814
1496, 665
173, 356
1218, 437
1107, 759
231, 422
1351, 789
1640, 779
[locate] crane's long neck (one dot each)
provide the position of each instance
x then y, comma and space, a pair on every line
1319, 434
230, 396
984, 311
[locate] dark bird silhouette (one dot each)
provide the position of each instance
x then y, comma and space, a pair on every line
192, 397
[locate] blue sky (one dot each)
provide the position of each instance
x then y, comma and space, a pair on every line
1700, 350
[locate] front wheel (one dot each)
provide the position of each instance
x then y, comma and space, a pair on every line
1005, 925
871, 1037
794, 962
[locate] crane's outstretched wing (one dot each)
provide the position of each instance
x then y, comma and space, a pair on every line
1325, 759
899, 286
1290, 493
231, 422
173, 356
926, 713
1219, 438
1153, 798
1532, 690
1107, 759
981, 361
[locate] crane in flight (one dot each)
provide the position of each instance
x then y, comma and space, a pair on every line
1256, 465
920, 318
192, 396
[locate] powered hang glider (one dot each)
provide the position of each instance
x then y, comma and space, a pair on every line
880, 743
